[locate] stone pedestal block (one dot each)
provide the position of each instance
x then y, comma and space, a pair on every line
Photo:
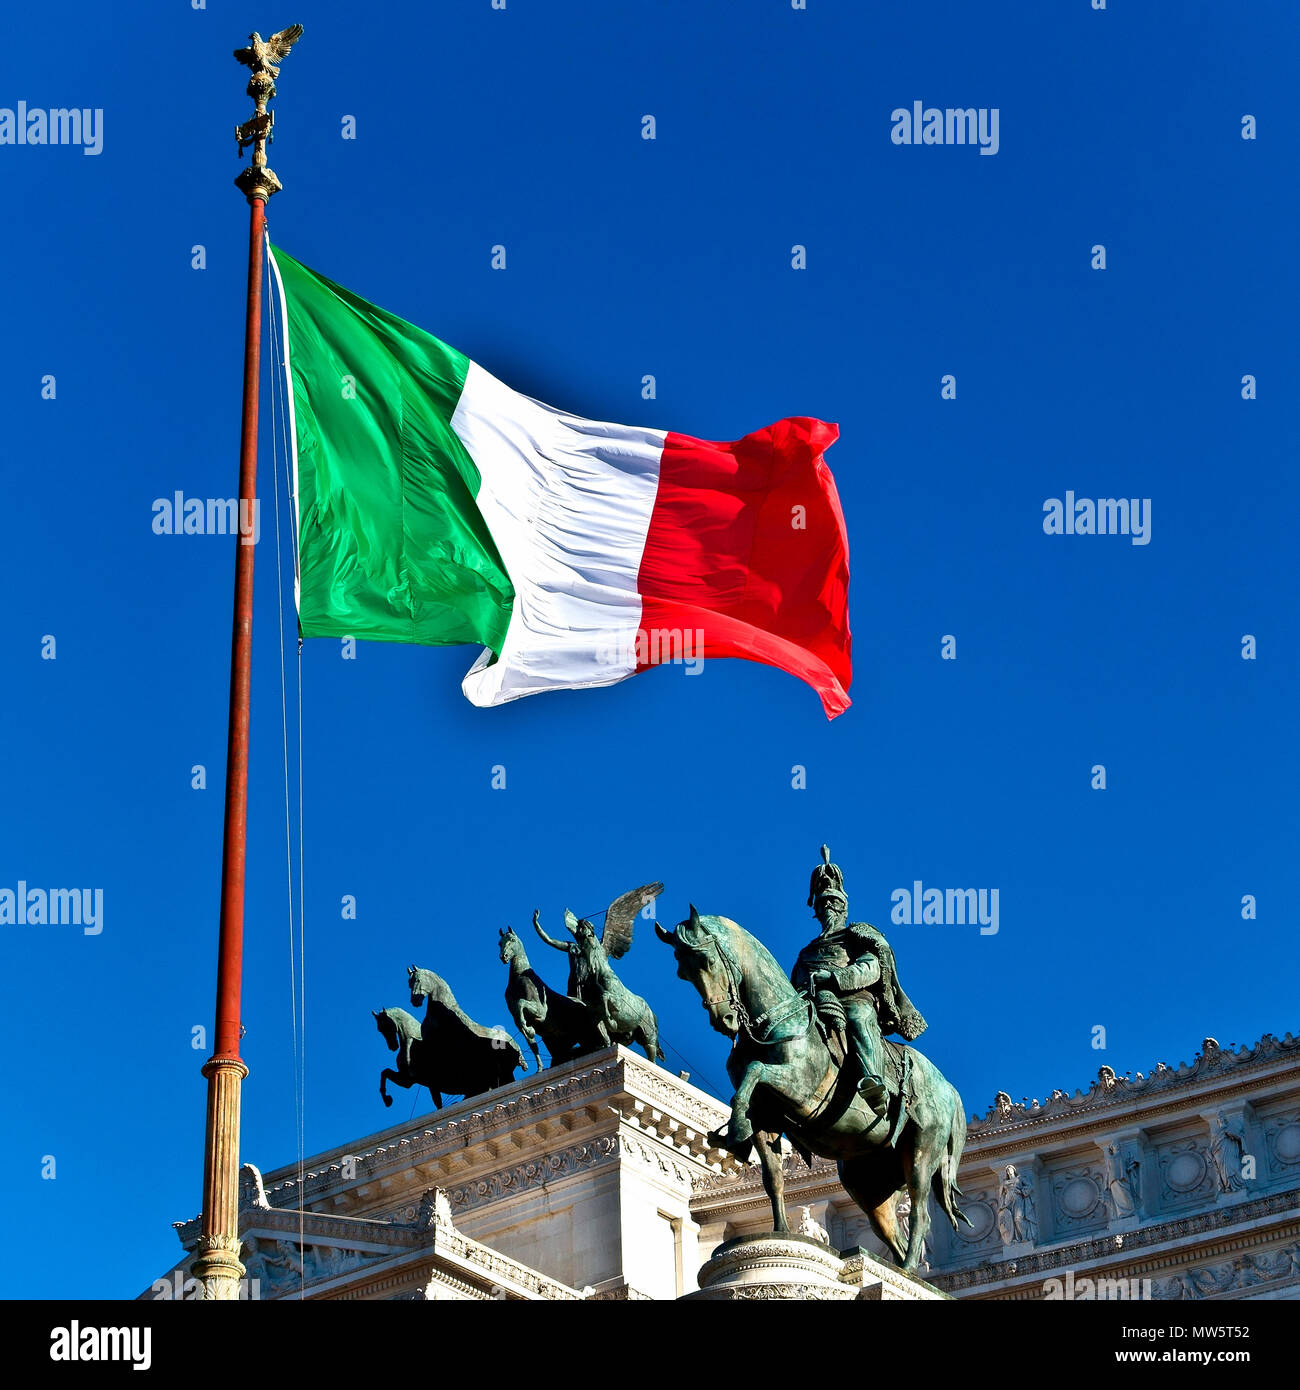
795, 1267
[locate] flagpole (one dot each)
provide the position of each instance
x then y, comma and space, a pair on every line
218, 1269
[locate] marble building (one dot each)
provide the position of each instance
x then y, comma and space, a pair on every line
1185, 1180
596, 1180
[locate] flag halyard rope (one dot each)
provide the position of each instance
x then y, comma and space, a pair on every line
297, 968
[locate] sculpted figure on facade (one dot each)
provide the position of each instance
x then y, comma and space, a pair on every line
273, 1263
809, 1226
1227, 1146
1017, 1216
1122, 1182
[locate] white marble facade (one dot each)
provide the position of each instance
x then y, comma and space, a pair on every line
596, 1180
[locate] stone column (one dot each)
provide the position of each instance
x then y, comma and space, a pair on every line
217, 1268
688, 1254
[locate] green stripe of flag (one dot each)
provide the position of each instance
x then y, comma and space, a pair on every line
391, 544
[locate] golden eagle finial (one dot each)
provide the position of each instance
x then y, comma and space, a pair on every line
263, 54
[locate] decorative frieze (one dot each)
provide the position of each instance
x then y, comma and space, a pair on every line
1205, 1227
535, 1172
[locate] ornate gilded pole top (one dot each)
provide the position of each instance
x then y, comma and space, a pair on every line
262, 57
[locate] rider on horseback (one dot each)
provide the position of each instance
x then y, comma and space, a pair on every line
848, 972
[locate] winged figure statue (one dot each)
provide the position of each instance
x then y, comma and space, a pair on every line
616, 1013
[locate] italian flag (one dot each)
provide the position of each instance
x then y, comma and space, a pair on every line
436, 505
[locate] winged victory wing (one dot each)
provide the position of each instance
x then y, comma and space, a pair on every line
620, 918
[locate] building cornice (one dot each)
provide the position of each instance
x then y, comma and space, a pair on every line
1009, 1123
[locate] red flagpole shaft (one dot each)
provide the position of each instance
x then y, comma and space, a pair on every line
218, 1267
230, 949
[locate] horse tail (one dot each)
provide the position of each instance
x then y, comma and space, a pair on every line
945, 1180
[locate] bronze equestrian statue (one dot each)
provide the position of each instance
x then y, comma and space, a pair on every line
808, 1063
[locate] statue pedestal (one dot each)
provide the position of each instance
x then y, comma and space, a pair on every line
773, 1266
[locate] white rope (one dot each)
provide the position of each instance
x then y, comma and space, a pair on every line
284, 712
278, 411
302, 984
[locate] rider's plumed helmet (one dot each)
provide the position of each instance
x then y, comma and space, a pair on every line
827, 883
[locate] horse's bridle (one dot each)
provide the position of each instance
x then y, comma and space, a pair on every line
748, 1026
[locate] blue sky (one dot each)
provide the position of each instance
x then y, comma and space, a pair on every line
1119, 908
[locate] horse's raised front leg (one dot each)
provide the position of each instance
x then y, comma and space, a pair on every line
769, 1155
739, 1131
385, 1077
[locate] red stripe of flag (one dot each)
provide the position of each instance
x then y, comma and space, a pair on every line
747, 546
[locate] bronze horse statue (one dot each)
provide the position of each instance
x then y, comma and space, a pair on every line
564, 1024
401, 1032
448, 1052
789, 1081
